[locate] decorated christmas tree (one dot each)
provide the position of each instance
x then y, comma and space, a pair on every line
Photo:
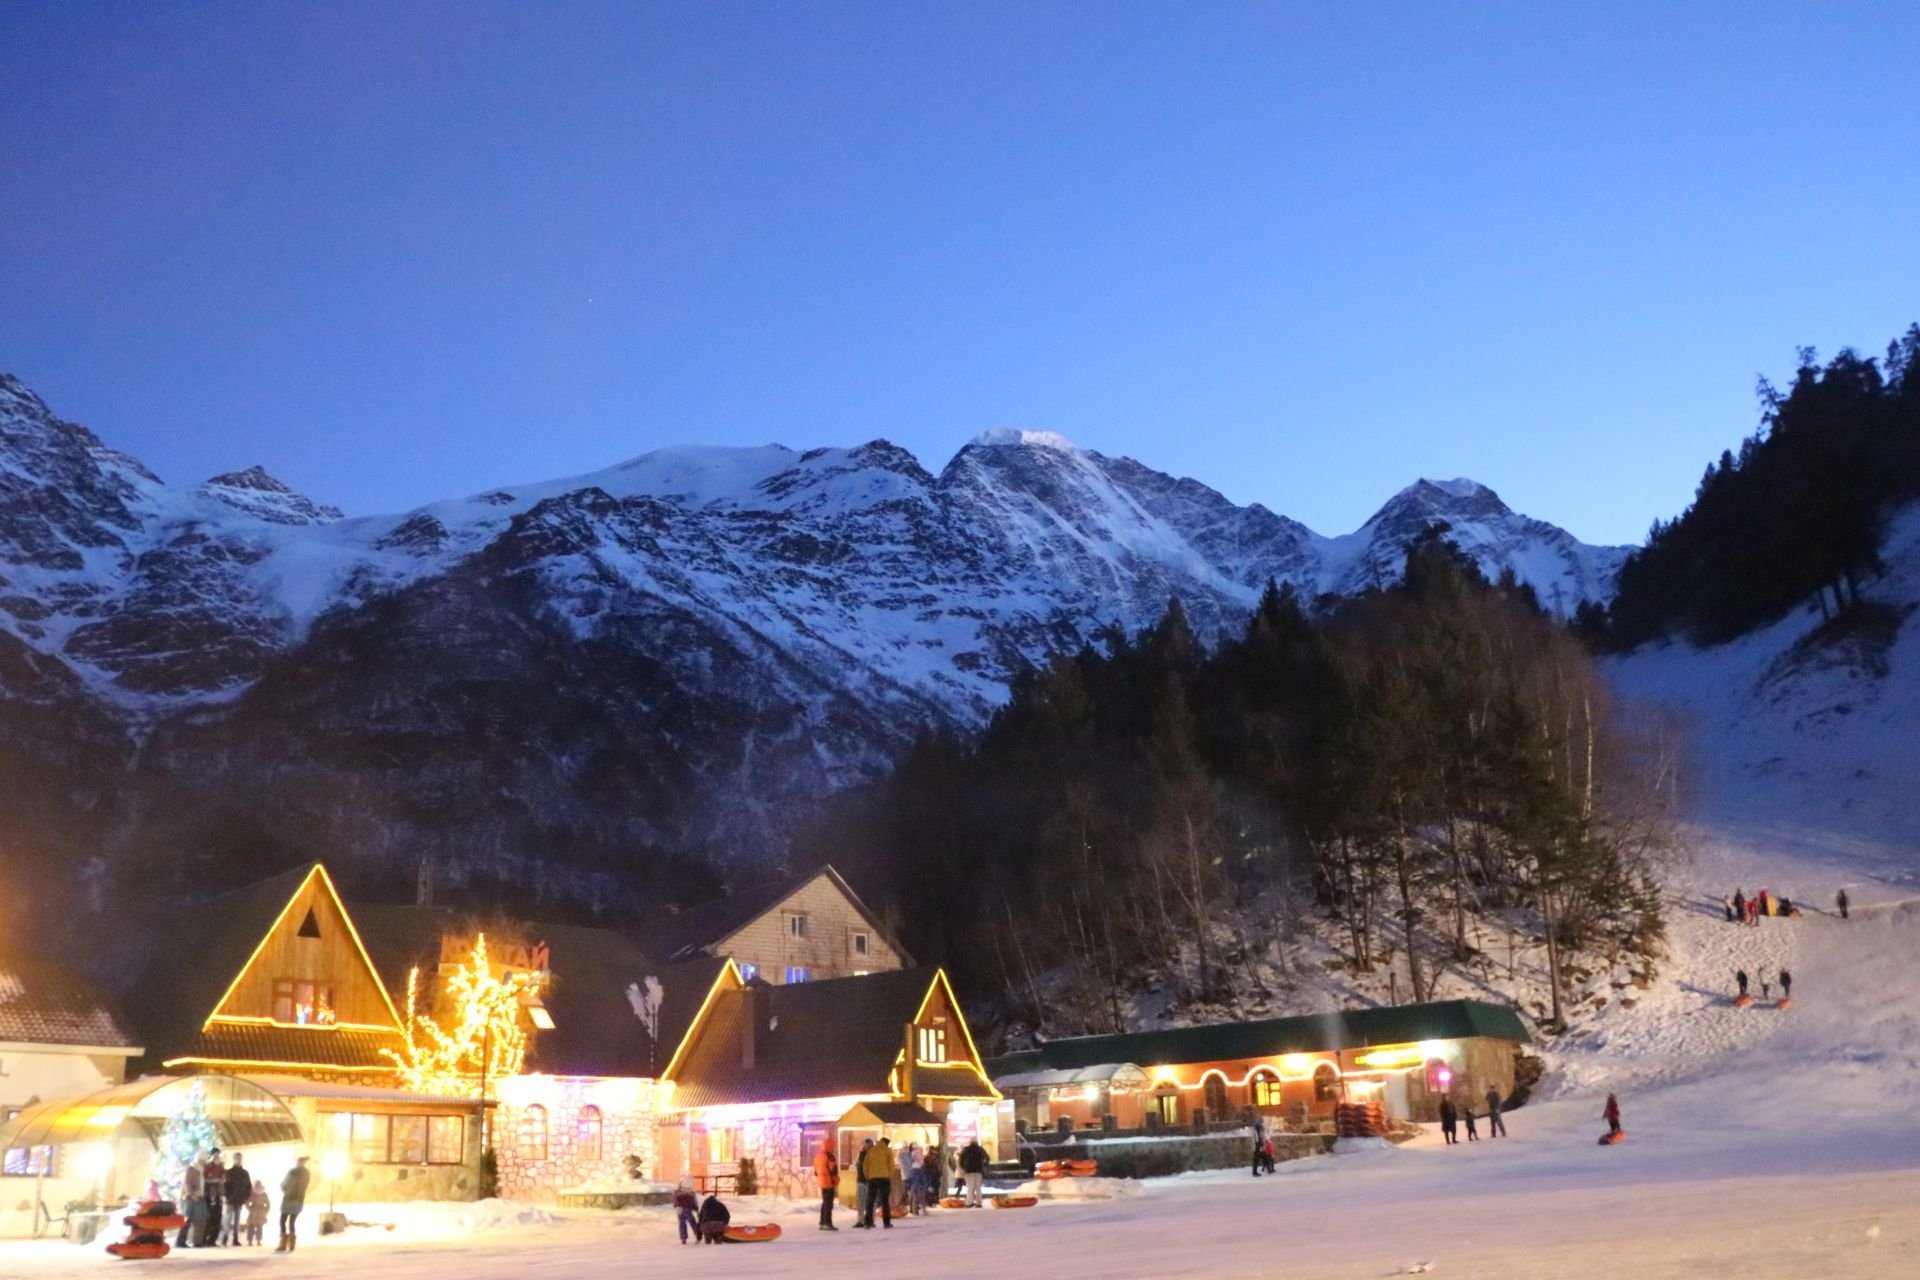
186, 1138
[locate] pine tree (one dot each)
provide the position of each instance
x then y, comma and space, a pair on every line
186, 1139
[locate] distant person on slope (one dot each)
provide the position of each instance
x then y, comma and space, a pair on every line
1739, 906
1496, 1127
1449, 1122
1473, 1130
1612, 1113
1840, 900
1740, 977
1786, 985
1727, 903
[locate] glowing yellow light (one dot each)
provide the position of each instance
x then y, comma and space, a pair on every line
1091, 1093
107, 1118
1404, 1056
1297, 1064
95, 1159
334, 1165
484, 1039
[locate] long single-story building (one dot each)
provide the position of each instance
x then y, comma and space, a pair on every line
1291, 1070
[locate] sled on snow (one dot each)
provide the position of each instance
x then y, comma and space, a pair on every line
141, 1244
953, 1202
1785, 1002
1613, 1139
155, 1221
1066, 1169
1014, 1202
1743, 1002
753, 1234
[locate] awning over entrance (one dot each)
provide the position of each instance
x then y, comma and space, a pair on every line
887, 1114
243, 1113
1112, 1075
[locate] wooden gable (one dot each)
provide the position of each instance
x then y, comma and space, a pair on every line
946, 1062
314, 946
839, 936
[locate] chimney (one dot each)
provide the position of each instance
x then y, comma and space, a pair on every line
749, 1026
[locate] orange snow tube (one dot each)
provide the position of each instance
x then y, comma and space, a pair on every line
1613, 1139
1082, 1168
754, 1234
953, 1202
1742, 1002
144, 1245
1014, 1202
155, 1221
1786, 1002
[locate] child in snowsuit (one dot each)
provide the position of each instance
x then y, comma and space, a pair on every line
257, 1206
689, 1210
1473, 1133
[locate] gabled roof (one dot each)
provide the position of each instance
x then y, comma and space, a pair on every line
1243, 1041
46, 1003
832, 1039
595, 1030
706, 927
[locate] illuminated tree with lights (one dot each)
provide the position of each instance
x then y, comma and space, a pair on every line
483, 1037
185, 1139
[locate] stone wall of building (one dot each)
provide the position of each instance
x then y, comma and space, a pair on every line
626, 1128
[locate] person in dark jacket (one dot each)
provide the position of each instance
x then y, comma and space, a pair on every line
1449, 1122
973, 1168
293, 1198
214, 1175
1473, 1129
1786, 984
1739, 907
1840, 901
876, 1166
1740, 977
239, 1189
1612, 1114
1496, 1127
687, 1205
933, 1169
713, 1220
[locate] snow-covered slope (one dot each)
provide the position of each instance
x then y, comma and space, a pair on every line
713, 633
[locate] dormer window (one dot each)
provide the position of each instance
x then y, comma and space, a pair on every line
933, 1044
796, 924
859, 943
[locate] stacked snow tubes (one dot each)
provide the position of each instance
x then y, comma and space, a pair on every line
1360, 1120
146, 1231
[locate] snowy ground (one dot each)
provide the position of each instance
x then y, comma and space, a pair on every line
1762, 1143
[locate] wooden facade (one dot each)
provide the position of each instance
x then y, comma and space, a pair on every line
312, 949
820, 930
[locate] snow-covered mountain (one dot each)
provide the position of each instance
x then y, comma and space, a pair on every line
674, 650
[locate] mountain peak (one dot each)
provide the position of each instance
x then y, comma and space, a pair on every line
258, 492
1016, 437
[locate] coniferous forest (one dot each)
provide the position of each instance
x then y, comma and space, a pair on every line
1797, 515
1157, 810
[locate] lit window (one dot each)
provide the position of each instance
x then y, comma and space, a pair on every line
796, 973
723, 1144
1266, 1089
587, 1133
1326, 1083
796, 924
28, 1162
748, 972
1167, 1107
861, 973
533, 1133
859, 944
409, 1140
370, 1139
446, 1139
933, 1044
300, 1003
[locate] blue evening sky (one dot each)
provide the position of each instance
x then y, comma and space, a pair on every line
1305, 253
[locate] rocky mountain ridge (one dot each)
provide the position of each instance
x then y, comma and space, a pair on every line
672, 652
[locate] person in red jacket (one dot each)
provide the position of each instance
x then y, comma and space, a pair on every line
1612, 1113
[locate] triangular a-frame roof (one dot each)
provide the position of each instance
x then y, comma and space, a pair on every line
709, 927
841, 1038
198, 975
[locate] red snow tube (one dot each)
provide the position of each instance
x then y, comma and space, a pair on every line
1014, 1202
1612, 1139
143, 1247
1083, 1168
952, 1202
755, 1234
155, 1221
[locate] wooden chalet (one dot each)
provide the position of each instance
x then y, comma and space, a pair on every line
766, 1073
806, 928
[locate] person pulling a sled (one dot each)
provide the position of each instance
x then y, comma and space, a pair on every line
1612, 1114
